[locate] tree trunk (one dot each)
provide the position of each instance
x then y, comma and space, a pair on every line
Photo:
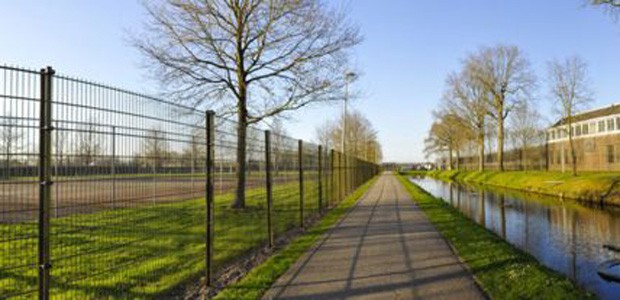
458, 159
481, 151
500, 141
242, 111
524, 157
573, 154
547, 154
242, 128
450, 158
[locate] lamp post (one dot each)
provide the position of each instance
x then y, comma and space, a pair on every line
348, 76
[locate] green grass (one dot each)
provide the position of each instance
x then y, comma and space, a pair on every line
142, 252
503, 271
259, 279
587, 186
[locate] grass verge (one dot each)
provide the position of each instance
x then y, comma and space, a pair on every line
600, 187
144, 251
503, 271
259, 279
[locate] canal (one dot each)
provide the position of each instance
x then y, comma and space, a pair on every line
565, 236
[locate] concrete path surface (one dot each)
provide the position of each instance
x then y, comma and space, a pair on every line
384, 248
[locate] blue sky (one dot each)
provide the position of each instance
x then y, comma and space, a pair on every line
409, 48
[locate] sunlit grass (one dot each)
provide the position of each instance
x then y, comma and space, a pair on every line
142, 252
589, 186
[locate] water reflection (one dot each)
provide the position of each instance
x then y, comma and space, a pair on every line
565, 236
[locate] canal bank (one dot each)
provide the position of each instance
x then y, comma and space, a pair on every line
503, 270
592, 187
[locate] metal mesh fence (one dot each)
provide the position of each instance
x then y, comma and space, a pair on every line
19, 194
107, 193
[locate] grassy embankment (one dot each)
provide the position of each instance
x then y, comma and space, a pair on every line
598, 187
258, 281
503, 271
142, 252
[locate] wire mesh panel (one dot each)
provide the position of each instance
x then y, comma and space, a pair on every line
311, 180
243, 228
127, 167
326, 178
19, 188
285, 167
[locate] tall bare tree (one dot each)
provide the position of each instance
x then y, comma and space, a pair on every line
504, 72
465, 97
286, 54
525, 130
448, 134
569, 87
323, 134
361, 138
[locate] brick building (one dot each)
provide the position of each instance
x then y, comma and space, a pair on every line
596, 135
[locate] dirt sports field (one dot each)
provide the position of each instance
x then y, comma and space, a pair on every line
19, 199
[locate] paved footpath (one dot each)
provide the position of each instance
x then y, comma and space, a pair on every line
384, 248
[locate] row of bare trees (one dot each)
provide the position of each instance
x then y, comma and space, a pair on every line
360, 138
490, 101
87, 147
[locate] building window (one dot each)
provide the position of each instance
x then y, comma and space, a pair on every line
618, 123
584, 129
592, 127
610, 154
601, 126
610, 125
552, 134
578, 130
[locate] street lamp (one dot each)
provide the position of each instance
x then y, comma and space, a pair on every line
348, 77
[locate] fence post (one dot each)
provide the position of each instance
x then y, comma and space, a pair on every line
350, 168
337, 177
347, 164
332, 176
353, 174
45, 181
341, 176
300, 163
320, 175
546, 152
113, 167
210, 197
268, 183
